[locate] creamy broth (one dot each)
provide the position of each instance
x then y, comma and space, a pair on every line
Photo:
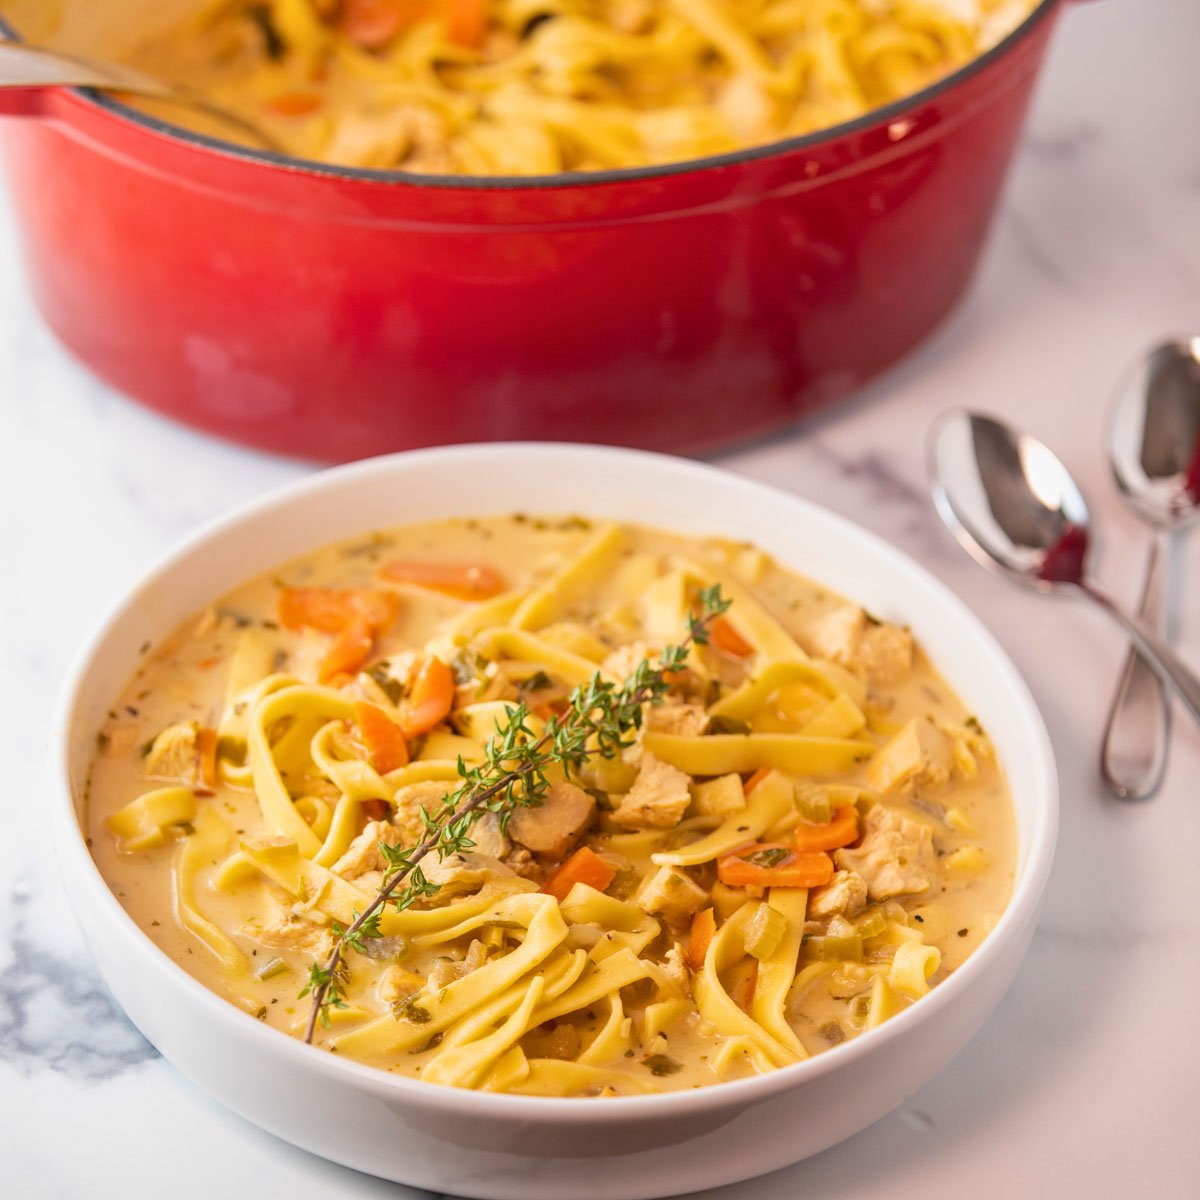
510, 87
925, 875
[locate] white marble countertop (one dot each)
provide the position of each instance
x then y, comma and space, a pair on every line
1087, 1080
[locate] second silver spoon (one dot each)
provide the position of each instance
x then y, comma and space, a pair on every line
1154, 451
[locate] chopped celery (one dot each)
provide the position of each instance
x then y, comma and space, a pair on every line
385, 949
872, 923
860, 1007
840, 927
492, 937
813, 803
271, 968
835, 949
720, 724
764, 931
931, 808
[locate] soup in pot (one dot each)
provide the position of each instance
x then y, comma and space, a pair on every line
533, 87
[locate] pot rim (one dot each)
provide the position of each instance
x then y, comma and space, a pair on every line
1020, 912
885, 114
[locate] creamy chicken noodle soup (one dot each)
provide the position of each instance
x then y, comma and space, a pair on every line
530, 87
710, 841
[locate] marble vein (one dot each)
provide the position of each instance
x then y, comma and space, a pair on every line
1028, 241
56, 1014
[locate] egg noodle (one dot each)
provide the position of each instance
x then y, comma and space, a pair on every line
803, 837
530, 87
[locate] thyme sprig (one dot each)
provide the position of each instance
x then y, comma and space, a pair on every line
600, 720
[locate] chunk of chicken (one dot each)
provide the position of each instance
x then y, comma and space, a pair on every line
688, 720
896, 855
920, 755
524, 864
882, 653
488, 837
658, 799
446, 970
624, 660
462, 874
748, 107
175, 753
845, 895
672, 895
556, 825
362, 855
411, 799
281, 928
397, 983
675, 968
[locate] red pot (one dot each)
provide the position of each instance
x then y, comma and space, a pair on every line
335, 313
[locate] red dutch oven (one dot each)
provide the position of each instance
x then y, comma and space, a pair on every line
335, 313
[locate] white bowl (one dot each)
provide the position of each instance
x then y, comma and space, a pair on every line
531, 1148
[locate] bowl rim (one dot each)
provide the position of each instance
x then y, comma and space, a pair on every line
73, 855
881, 115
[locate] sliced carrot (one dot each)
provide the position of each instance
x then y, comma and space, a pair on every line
778, 866
377, 606
206, 743
373, 23
331, 609
317, 608
432, 698
463, 581
755, 780
349, 652
840, 830
467, 22
728, 640
383, 738
293, 104
744, 986
357, 616
376, 810
704, 925
584, 866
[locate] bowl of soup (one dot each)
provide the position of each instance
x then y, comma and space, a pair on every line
663, 224
776, 907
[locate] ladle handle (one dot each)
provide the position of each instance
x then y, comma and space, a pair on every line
23, 66
1161, 659
1133, 756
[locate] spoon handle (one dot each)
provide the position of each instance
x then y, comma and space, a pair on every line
1134, 753
1163, 661
23, 66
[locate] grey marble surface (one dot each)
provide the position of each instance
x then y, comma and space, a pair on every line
1085, 1081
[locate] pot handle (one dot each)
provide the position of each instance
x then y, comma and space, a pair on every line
22, 101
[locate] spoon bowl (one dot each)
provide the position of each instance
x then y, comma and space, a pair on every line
1015, 509
1154, 435
1008, 500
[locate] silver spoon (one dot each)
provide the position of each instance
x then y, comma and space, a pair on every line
25, 66
1015, 509
1154, 452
